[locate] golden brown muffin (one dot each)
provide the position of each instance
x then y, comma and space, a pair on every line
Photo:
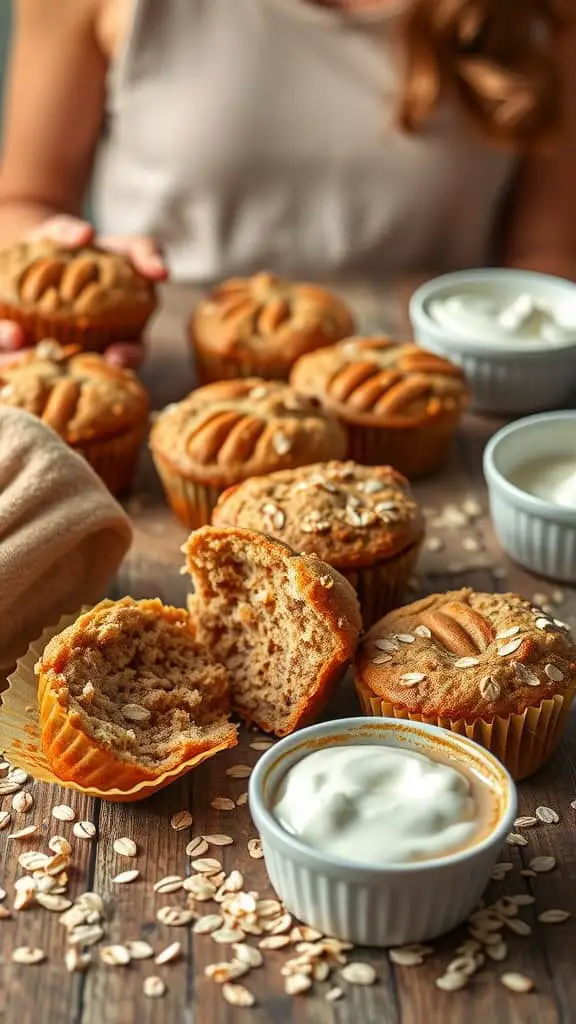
88, 297
361, 520
487, 665
284, 625
128, 695
401, 404
259, 326
225, 432
99, 410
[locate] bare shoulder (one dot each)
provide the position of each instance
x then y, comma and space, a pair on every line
112, 24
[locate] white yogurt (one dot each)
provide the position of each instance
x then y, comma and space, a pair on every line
550, 477
482, 316
377, 805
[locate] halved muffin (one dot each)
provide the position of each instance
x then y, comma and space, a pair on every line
284, 625
128, 694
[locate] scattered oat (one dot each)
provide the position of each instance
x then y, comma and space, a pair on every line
153, 987
60, 845
4, 819
489, 689
175, 917
262, 744
216, 840
168, 955
248, 955
451, 982
466, 662
55, 903
333, 994
126, 876
125, 847
388, 645
423, 631
510, 647
84, 830
22, 802
296, 984
274, 941
63, 813
434, 544
405, 957
206, 865
207, 924
505, 633
139, 949
197, 847
516, 839
412, 678
242, 800
226, 936
222, 803
239, 771
517, 982
255, 849
115, 956
554, 916
202, 888
527, 821
547, 815
357, 973
181, 820
171, 883
404, 638
28, 955
554, 673
24, 833
237, 995
518, 926
135, 713
498, 952
225, 971
75, 960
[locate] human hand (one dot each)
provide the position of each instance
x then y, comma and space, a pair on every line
74, 233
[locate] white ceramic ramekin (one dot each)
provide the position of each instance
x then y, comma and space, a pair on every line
381, 906
537, 533
525, 376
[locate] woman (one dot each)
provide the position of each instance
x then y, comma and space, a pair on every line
363, 139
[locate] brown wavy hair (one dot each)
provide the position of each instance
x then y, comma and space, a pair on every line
496, 56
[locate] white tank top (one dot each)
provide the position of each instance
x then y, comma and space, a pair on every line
260, 133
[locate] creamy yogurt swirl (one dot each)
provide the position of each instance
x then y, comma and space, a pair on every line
377, 805
479, 316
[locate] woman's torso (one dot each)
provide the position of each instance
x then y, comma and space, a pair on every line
260, 133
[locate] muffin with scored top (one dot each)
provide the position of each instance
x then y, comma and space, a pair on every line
228, 431
401, 405
99, 410
88, 296
490, 666
259, 326
362, 520
127, 695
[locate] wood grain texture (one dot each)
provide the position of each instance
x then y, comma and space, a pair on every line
407, 995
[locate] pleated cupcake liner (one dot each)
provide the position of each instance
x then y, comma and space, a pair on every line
21, 742
523, 741
38, 326
211, 367
192, 502
413, 451
381, 587
115, 459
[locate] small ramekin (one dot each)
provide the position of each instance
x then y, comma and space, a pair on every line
380, 906
523, 377
536, 533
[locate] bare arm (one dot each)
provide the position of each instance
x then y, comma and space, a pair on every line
53, 112
542, 230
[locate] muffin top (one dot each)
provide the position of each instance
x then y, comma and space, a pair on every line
225, 432
267, 318
76, 393
379, 382
464, 655
349, 515
87, 282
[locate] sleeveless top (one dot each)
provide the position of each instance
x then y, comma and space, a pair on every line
250, 134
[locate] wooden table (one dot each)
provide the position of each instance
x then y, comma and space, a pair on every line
47, 993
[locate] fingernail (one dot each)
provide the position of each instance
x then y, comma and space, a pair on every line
11, 337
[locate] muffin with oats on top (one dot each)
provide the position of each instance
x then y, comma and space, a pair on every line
228, 431
361, 520
488, 666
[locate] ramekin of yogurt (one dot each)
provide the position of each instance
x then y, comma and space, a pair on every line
513, 332
380, 832
530, 469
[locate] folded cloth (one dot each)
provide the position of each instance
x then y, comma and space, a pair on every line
62, 535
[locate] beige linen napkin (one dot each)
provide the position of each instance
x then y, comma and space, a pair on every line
62, 535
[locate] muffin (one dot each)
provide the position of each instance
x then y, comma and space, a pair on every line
99, 410
361, 520
401, 404
259, 326
284, 625
488, 666
225, 432
127, 695
85, 296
